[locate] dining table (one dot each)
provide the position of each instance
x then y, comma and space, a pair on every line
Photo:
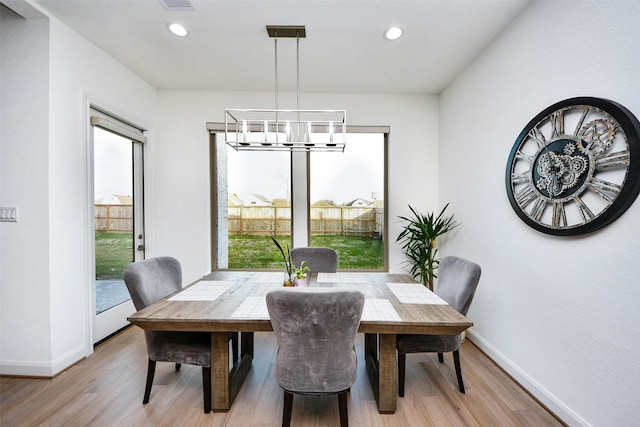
234, 301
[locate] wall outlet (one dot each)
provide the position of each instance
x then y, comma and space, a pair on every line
8, 214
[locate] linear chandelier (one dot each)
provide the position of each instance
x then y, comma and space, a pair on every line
286, 129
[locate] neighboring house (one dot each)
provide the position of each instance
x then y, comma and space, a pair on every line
359, 202
259, 200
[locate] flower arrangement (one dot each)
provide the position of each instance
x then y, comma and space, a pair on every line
294, 275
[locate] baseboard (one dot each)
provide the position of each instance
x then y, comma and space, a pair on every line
533, 387
41, 369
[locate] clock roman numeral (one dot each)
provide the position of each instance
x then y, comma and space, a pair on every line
557, 124
587, 215
585, 113
612, 160
521, 178
559, 218
522, 156
607, 190
525, 196
538, 209
537, 136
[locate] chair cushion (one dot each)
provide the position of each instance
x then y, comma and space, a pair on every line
319, 260
151, 280
315, 329
427, 343
457, 282
191, 348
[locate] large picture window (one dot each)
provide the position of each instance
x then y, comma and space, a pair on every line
253, 197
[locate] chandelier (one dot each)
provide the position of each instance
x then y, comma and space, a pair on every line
286, 129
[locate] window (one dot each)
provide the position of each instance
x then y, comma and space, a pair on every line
253, 202
254, 195
347, 201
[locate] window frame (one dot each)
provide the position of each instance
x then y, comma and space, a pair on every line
219, 127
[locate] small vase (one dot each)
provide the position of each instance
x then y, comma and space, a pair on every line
287, 281
300, 282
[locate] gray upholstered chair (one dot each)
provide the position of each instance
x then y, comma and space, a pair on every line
315, 330
457, 282
319, 260
149, 281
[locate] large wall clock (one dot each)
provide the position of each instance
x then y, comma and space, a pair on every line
575, 167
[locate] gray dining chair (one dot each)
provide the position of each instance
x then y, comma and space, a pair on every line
315, 330
149, 281
319, 260
457, 282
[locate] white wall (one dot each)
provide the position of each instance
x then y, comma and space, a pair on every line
24, 152
558, 313
181, 187
47, 273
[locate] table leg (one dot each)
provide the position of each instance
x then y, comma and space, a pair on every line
380, 358
226, 383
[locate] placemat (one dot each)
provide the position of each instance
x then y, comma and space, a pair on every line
379, 309
342, 278
414, 293
252, 308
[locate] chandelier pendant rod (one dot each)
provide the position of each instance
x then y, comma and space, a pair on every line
275, 42
254, 128
298, 81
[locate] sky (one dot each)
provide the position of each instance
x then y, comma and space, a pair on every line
113, 171
341, 177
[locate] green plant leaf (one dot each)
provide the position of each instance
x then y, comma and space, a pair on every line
418, 239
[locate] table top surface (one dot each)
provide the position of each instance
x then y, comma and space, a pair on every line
228, 301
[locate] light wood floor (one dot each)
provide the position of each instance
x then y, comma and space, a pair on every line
106, 390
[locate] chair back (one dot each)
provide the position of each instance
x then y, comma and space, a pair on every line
315, 330
457, 282
319, 260
151, 280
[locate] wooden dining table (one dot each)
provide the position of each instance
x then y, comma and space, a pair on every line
234, 301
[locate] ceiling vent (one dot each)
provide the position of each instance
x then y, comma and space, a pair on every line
177, 4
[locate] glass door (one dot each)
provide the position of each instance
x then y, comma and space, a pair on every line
118, 213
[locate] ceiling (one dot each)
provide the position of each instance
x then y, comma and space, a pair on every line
344, 51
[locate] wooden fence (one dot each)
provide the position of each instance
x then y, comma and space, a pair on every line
265, 220
114, 218
276, 220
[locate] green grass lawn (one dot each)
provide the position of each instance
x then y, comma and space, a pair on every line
260, 252
114, 253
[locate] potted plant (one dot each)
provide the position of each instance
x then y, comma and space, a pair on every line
418, 239
300, 273
294, 276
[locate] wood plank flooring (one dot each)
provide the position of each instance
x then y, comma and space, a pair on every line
106, 390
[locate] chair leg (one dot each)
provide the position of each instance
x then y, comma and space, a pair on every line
286, 409
342, 404
206, 388
151, 370
402, 362
440, 358
456, 362
178, 365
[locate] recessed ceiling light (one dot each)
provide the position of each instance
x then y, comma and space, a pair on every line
178, 29
393, 33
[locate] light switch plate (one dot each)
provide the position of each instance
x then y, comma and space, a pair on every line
8, 214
